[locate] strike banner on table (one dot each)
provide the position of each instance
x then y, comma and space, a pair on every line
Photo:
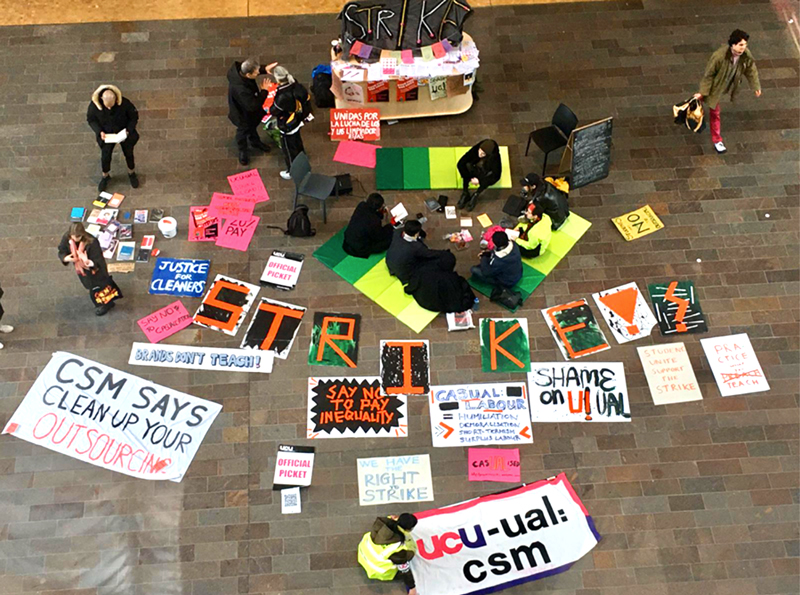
111, 419
497, 541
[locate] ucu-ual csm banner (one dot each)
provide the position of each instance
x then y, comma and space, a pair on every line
112, 419
495, 542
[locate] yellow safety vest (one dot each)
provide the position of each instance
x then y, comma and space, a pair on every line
375, 558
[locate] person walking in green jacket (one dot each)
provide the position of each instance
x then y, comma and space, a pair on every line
723, 75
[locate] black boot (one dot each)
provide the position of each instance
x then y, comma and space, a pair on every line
463, 200
101, 187
102, 310
244, 159
262, 147
472, 202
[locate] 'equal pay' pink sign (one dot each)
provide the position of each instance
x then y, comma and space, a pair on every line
494, 464
165, 322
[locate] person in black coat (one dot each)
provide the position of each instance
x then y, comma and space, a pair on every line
246, 104
291, 110
366, 234
438, 290
111, 113
480, 165
408, 251
78, 247
4, 328
501, 267
552, 200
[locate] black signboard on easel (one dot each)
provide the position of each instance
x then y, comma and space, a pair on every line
588, 153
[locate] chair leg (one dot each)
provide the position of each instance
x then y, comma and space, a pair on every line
529, 145
544, 167
294, 204
324, 211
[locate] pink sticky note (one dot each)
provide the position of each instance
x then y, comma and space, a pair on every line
225, 206
356, 153
208, 228
355, 49
249, 183
438, 50
237, 233
407, 56
494, 464
165, 322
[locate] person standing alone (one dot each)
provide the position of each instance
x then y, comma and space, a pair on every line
291, 110
246, 104
111, 113
724, 72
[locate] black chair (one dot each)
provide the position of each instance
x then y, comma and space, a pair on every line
556, 135
309, 184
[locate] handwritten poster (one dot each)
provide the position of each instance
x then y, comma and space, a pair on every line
669, 374
165, 322
249, 183
626, 312
349, 407
223, 206
437, 85
200, 358
226, 305
578, 392
575, 329
470, 414
355, 124
638, 223
390, 480
202, 227
179, 276
735, 365
294, 466
237, 232
494, 464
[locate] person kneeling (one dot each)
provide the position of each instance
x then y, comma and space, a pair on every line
365, 234
408, 251
535, 232
502, 266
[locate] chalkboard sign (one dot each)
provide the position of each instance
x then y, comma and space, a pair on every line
591, 153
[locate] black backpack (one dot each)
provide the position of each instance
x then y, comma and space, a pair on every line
299, 225
321, 82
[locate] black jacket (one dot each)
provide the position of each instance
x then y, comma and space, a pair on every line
97, 276
440, 291
504, 272
553, 201
366, 234
245, 99
122, 115
488, 170
292, 105
403, 256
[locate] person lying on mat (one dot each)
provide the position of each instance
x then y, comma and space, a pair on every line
480, 165
365, 234
440, 290
534, 231
408, 251
502, 266
551, 194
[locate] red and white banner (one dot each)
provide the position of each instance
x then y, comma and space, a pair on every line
355, 124
494, 542
112, 419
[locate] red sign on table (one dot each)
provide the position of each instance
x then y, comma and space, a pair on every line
355, 124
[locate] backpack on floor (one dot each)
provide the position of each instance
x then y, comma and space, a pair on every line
299, 225
321, 81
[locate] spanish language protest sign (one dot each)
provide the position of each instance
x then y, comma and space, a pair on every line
578, 392
390, 480
111, 419
493, 542
355, 124
735, 365
471, 414
200, 358
179, 276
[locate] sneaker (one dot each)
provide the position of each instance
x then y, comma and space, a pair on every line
101, 187
102, 310
1, 345
720, 147
244, 159
6, 328
286, 175
262, 147
134, 180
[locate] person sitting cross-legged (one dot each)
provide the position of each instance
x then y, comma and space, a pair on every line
502, 266
366, 234
534, 231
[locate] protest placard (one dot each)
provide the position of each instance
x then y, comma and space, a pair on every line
200, 358
497, 541
669, 374
490, 413
237, 232
334, 340
165, 322
179, 276
348, 407
405, 367
223, 206
504, 345
202, 227
637, 223
249, 183
282, 270
493, 464
575, 330
112, 419
391, 480
677, 307
294, 466
575, 392
735, 365
274, 327
625, 311
226, 305
356, 124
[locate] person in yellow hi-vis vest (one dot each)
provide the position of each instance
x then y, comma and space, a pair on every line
385, 552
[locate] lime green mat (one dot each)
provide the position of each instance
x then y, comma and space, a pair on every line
534, 270
421, 168
371, 277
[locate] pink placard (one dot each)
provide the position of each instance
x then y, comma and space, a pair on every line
225, 206
165, 322
494, 464
407, 56
356, 153
207, 233
249, 183
237, 233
